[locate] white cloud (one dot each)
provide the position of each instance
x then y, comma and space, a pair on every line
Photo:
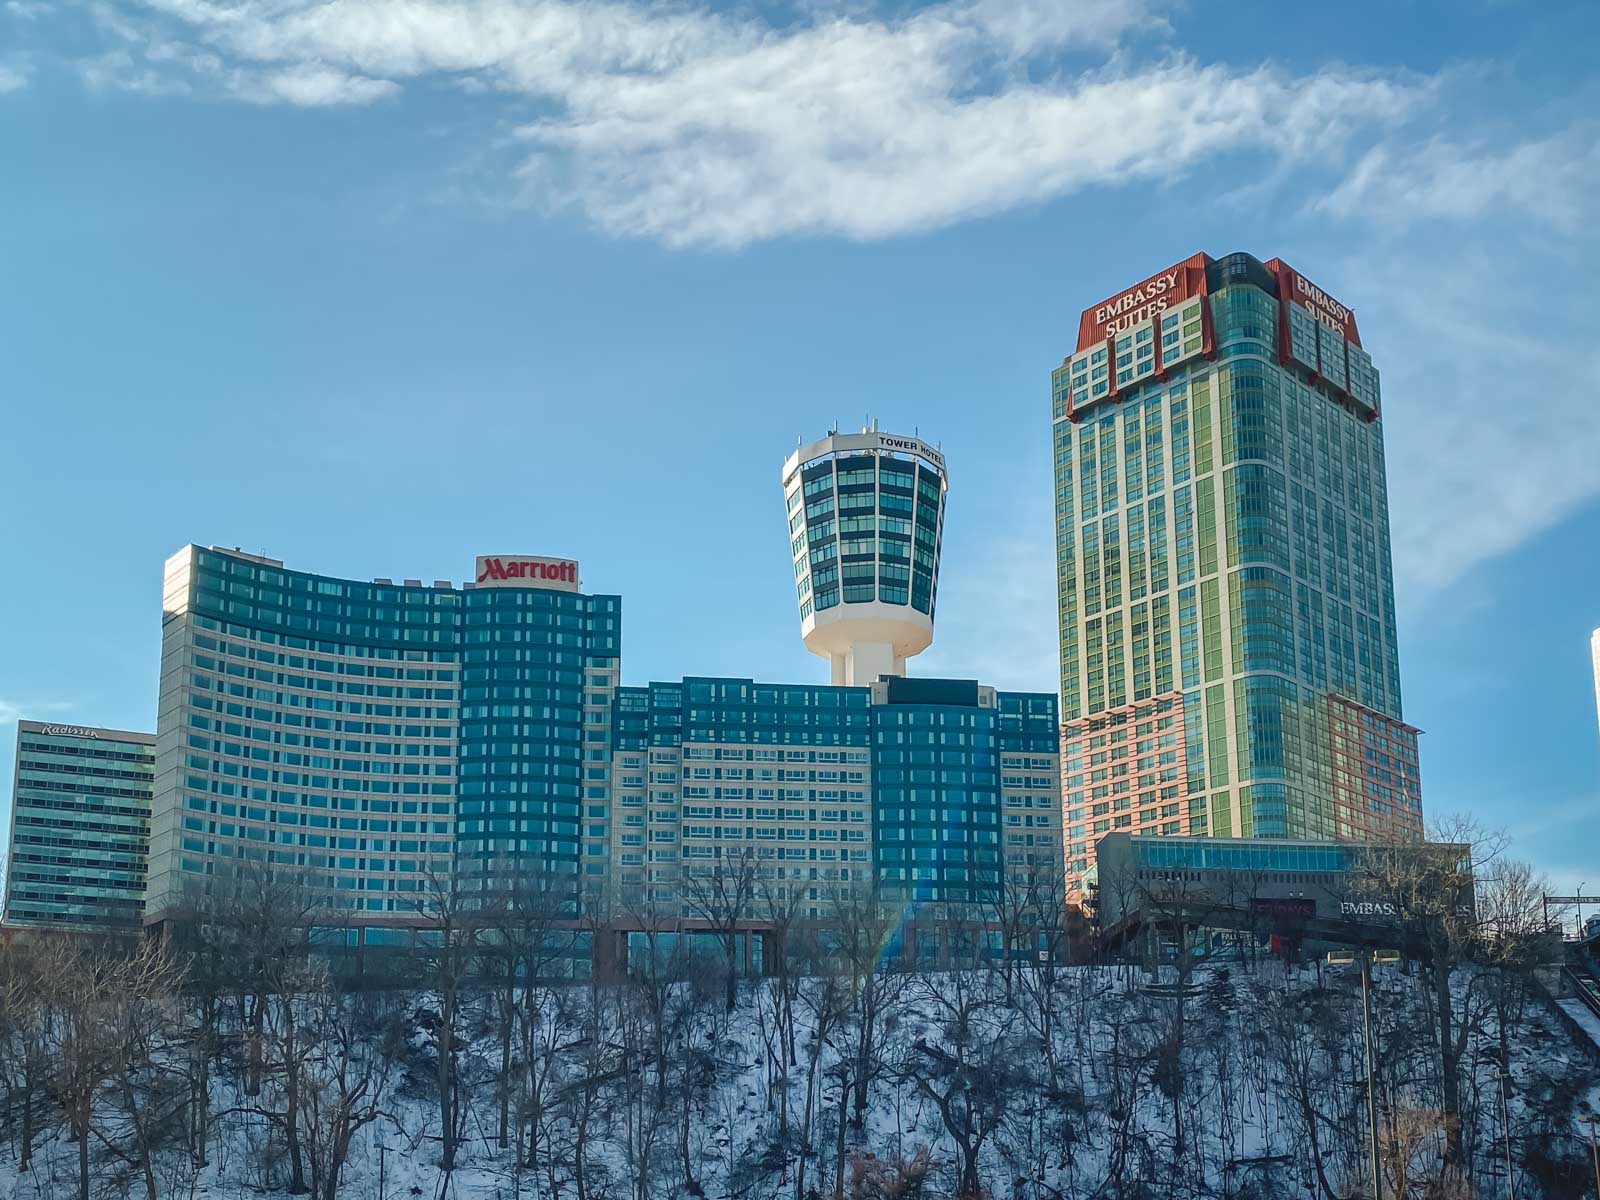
1486, 368
702, 127
12, 79
313, 85
120, 70
11, 711
863, 132
1550, 180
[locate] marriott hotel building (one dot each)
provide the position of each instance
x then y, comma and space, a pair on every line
364, 735
1226, 600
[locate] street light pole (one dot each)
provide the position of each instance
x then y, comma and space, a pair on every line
1590, 1120
1505, 1121
1372, 1096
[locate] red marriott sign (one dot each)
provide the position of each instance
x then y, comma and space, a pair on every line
508, 570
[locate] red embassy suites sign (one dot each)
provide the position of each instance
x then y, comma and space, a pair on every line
1295, 288
1142, 301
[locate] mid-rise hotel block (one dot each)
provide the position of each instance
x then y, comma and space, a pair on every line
371, 737
80, 817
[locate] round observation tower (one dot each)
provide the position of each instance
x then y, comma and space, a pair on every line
866, 515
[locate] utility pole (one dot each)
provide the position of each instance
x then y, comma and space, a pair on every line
1591, 1120
1372, 1095
1505, 1120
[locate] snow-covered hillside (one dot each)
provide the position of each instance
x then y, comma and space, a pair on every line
1080, 1082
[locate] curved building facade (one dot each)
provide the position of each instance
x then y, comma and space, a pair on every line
368, 735
866, 518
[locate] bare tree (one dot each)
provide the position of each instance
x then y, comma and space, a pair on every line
827, 1000
721, 895
294, 982
779, 904
527, 930
142, 1017
973, 1074
450, 941
1426, 892
251, 927
1046, 900
1304, 1037
1512, 941
862, 926
341, 1087
89, 987
24, 1050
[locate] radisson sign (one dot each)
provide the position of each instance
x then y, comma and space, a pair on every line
77, 731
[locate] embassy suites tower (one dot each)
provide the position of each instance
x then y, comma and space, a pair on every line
1226, 598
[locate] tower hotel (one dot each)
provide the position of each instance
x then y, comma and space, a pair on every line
366, 734
1226, 601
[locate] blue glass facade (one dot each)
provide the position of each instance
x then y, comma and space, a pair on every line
366, 735
865, 520
526, 657
80, 826
932, 790
1223, 542
866, 527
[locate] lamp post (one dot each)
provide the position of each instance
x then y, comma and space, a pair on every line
1372, 1096
1505, 1121
1590, 1119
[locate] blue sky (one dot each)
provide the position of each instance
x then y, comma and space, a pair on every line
377, 286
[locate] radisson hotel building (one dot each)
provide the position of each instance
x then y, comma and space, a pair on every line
366, 734
80, 817
1226, 601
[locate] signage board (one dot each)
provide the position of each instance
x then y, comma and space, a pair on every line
907, 445
1295, 288
1369, 908
1143, 300
1284, 906
521, 570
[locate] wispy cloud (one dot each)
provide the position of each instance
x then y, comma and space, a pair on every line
12, 79
1472, 251
312, 85
12, 711
1551, 180
702, 127
868, 134
698, 126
